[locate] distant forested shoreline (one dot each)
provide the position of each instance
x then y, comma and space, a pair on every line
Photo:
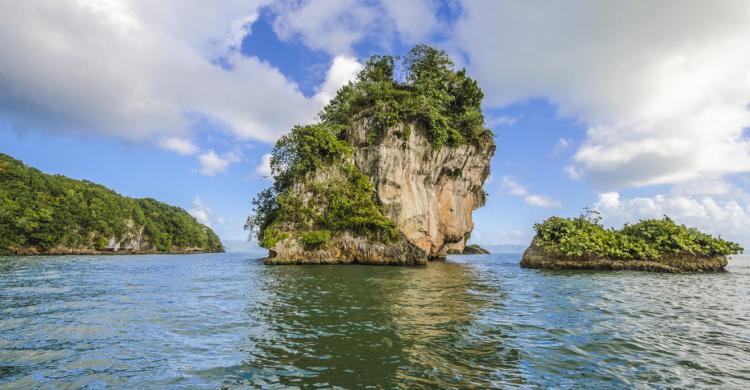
53, 214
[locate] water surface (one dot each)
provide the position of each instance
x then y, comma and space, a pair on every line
226, 321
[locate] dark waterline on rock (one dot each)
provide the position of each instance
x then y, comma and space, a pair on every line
224, 320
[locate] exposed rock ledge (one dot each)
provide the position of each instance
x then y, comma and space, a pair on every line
471, 250
537, 257
347, 249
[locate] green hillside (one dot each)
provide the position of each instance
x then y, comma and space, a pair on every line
42, 213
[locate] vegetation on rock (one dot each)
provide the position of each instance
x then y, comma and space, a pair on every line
447, 103
40, 213
318, 192
316, 189
585, 238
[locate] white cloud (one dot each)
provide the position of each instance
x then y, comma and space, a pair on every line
141, 71
414, 19
204, 214
179, 145
662, 86
716, 216
562, 145
264, 169
238, 30
200, 211
334, 26
342, 70
329, 26
502, 120
212, 163
516, 189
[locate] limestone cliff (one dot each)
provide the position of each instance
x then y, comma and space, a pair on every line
430, 193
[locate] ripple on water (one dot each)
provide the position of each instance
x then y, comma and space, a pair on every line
224, 320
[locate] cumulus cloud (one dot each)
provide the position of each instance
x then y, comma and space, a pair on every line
415, 19
212, 163
264, 169
329, 26
516, 189
203, 214
334, 26
342, 70
179, 145
562, 145
663, 87
502, 120
141, 71
727, 217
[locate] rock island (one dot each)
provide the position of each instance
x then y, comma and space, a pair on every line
650, 245
389, 174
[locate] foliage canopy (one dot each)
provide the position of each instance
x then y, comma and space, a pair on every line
446, 102
316, 190
584, 237
47, 211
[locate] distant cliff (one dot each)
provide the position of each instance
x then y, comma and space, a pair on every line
52, 214
389, 175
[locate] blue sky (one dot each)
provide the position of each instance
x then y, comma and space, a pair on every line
181, 101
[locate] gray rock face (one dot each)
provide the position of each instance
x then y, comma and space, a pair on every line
430, 193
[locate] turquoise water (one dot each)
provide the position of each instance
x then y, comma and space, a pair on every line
223, 320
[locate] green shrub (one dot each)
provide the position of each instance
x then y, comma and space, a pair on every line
447, 103
271, 237
315, 238
650, 239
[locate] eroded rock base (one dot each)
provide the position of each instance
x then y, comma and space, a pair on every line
535, 257
346, 249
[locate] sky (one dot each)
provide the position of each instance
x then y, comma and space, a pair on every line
638, 109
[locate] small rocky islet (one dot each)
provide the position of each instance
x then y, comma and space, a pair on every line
389, 175
658, 245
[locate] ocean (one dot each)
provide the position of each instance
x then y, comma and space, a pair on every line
227, 321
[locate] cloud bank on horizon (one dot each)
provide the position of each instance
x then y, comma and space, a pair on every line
662, 88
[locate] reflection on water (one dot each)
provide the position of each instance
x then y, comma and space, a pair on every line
224, 320
324, 325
